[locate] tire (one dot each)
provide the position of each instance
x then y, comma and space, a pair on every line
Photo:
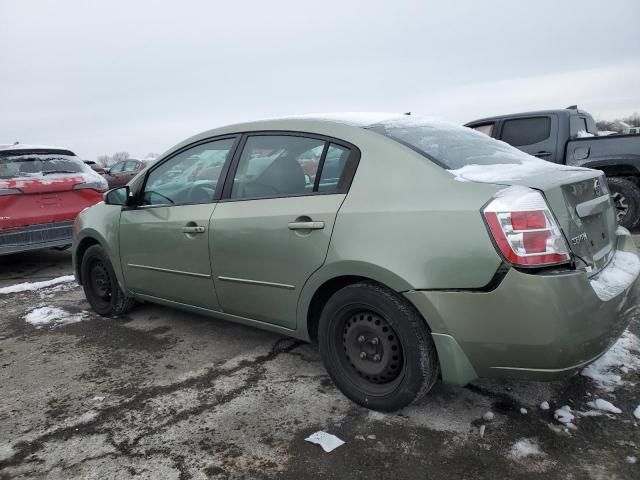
626, 198
101, 285
407, 364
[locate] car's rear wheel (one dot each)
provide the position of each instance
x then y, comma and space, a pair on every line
101, 285
626, 199
376, 347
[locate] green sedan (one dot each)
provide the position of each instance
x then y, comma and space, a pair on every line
410, 249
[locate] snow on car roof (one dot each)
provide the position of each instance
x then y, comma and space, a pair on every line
24, 146
357, 119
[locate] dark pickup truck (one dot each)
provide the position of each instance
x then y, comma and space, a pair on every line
570, 137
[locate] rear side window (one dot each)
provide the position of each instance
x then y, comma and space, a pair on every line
130, 165
526, 131
117, 168
487, 129
286, 165
333, 168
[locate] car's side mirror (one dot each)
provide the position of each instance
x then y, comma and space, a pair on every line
117, 196
106, 169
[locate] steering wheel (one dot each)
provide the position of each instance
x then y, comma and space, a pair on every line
201, 191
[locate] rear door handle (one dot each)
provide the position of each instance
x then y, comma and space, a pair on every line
306, 225
192, 229
543, 154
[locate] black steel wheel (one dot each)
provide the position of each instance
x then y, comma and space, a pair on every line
376, 347
101, 285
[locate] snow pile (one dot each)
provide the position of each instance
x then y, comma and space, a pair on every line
564, 415
584, 134
603, 405
525, 447
32, 286
506, 172
616, 276
636, 412
631, 460
42, 316
544, 405
488, 416
625, 354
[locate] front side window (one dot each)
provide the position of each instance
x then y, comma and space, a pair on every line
117, 168
130, 165
277, 166
526, 131
189, 177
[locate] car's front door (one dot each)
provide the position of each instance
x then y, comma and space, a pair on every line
272, 229
164, 242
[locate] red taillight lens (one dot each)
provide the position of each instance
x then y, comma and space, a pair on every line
524, 229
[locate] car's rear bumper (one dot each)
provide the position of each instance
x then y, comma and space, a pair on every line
532, 326
35, 237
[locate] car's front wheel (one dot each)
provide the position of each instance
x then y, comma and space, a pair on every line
101, 285
376, 347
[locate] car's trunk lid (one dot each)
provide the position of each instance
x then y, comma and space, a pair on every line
578, 198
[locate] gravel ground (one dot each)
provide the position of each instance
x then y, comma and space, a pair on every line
166, 394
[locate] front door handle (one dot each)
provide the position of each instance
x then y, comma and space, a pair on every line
306, 225
193, 229
543, 154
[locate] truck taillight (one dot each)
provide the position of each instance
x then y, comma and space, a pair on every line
524, 230
9, 191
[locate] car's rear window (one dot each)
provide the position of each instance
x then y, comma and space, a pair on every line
25, 163
448, 145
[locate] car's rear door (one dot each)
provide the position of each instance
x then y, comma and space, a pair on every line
272, 228
164, 242
536, 135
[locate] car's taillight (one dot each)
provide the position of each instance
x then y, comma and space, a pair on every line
524, 229
99, 185
9, 191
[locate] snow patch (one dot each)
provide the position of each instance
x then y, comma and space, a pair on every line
564, 415
525, 447
6, 452
42, 316
624, 353
621, 272
32, 286
631, 460
603, 405
636, 412
544, 405
523, 411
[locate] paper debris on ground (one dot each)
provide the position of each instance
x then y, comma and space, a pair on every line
327, 441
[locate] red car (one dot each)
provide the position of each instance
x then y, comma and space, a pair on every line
42, 189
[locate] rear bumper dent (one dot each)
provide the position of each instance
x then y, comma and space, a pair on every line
537, 327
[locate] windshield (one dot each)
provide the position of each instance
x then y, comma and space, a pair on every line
16, 164
448, 145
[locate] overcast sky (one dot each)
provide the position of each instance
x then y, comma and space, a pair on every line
140, 76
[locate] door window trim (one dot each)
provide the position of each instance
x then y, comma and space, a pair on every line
223, 173
343, 185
